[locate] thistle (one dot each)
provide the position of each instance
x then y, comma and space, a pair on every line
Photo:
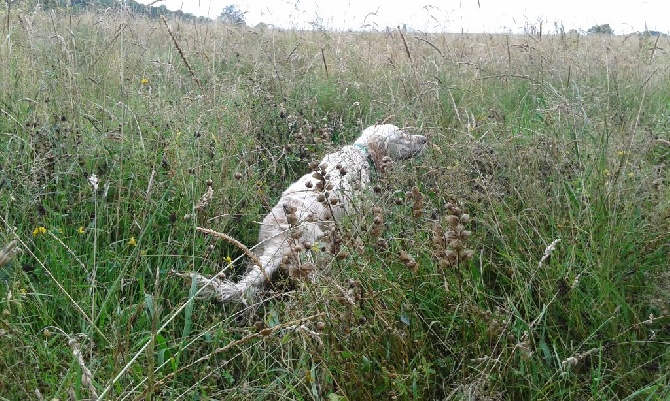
451, 244
377, 222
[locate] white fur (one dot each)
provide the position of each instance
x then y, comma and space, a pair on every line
315, 218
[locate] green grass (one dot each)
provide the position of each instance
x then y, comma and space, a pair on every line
536, 140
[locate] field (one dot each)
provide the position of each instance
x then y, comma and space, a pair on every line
524, 256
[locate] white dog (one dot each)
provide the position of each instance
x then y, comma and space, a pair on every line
311, 206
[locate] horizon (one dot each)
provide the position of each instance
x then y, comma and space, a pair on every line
467, 16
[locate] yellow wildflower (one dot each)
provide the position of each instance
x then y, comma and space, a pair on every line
81, 230
132, 241
144, 81
229, 260
39, 230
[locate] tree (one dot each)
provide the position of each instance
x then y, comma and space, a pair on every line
232, 15
603, 29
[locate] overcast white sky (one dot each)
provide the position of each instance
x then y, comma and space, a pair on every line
443, 15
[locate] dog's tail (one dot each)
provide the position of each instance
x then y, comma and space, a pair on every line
222, 290
227, 291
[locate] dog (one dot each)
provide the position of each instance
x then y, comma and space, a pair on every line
310, 207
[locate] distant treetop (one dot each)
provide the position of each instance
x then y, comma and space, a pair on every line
604, 29
232, 15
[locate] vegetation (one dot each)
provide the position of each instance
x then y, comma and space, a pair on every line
525, 256
232, 15
604, 29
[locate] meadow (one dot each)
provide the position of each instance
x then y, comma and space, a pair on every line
524, 256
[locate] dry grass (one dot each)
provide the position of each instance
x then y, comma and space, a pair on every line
450, 284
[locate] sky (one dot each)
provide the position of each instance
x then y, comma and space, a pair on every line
472, 16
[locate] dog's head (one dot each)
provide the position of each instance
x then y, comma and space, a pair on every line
389, 140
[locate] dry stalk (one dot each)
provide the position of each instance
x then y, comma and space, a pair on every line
150, 185
288, 58
653, 49
235, 242
404, 42
181, 53
325, 65
430, 44
86, 375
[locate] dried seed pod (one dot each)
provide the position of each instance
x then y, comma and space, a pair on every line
238, 175
343, 254
412, 265
404, 256
417, 207
466, 254
296, 234
451, 256
303, 270
309, 184
453, 221
288, 208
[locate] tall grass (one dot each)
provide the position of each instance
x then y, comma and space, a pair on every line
530, 261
